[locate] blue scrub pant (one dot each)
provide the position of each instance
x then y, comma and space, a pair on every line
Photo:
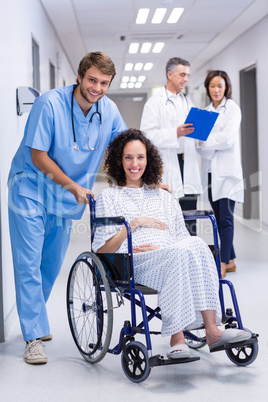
223, 210
39, 242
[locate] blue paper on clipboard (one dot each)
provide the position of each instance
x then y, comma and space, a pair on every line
203, 122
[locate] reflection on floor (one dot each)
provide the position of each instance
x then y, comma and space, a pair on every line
68, 377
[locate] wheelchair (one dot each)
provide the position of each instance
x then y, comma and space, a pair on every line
93, 280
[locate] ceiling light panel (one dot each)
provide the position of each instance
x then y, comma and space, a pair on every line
175, 15
138, 66
146, 47
129, 66
148, 66
141, 78
159, 15
158, 47
142, 15
133, 48
137, 98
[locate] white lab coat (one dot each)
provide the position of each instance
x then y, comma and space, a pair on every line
159, 123
221, 154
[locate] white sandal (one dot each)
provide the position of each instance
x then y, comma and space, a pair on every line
180, 351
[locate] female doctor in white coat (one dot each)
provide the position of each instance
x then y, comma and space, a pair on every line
222, 170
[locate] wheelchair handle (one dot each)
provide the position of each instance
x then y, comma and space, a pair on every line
114, 220
103, 220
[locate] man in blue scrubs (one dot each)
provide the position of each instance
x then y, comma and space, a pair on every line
51, 175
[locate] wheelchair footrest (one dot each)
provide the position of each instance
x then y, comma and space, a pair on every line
159, 360
227, 346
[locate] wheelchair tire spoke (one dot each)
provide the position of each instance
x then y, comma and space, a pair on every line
89, 305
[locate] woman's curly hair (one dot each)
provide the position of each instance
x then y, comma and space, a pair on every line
113, 167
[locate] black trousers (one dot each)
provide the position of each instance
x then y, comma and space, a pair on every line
188, 202
224, 215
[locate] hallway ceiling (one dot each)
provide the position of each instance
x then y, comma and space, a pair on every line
204, 29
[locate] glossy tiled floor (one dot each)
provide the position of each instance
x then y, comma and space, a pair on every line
68, 377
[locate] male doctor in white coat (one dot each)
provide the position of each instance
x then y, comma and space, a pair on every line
163, 123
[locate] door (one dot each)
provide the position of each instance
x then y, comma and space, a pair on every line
249, 142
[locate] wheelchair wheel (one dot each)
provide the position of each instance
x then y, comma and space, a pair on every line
243, 355
89, 306
135, 361
196, 343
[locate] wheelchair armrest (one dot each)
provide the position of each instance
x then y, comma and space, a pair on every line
108, 220
114, 220
196, 213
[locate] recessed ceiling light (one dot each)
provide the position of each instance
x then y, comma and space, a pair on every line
133, 48
130, 85
125, 78
138, 66
175, 15
142, 15
129, 66
138, 85
158, 47
159, 15
141, 78
146, 47
148, 66
133, 79
123, 85
137, 98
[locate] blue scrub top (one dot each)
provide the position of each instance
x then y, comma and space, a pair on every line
49, 128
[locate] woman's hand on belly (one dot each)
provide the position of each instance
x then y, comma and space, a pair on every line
150, 223
145, 247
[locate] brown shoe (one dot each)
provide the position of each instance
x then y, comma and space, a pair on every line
231, 269
46, 338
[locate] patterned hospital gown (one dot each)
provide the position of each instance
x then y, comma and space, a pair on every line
183, 270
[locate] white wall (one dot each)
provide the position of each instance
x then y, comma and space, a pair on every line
19, 22
248, 49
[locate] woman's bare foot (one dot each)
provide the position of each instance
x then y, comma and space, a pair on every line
177, 339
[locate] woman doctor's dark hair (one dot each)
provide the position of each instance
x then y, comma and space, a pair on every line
224, 75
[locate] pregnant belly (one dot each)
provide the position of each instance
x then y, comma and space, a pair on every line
159, 237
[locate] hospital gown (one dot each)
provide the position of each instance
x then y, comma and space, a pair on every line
183, 270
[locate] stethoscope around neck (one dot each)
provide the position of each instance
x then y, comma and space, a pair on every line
75, 146
223, 106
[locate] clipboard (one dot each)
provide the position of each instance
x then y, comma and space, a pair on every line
203, 122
